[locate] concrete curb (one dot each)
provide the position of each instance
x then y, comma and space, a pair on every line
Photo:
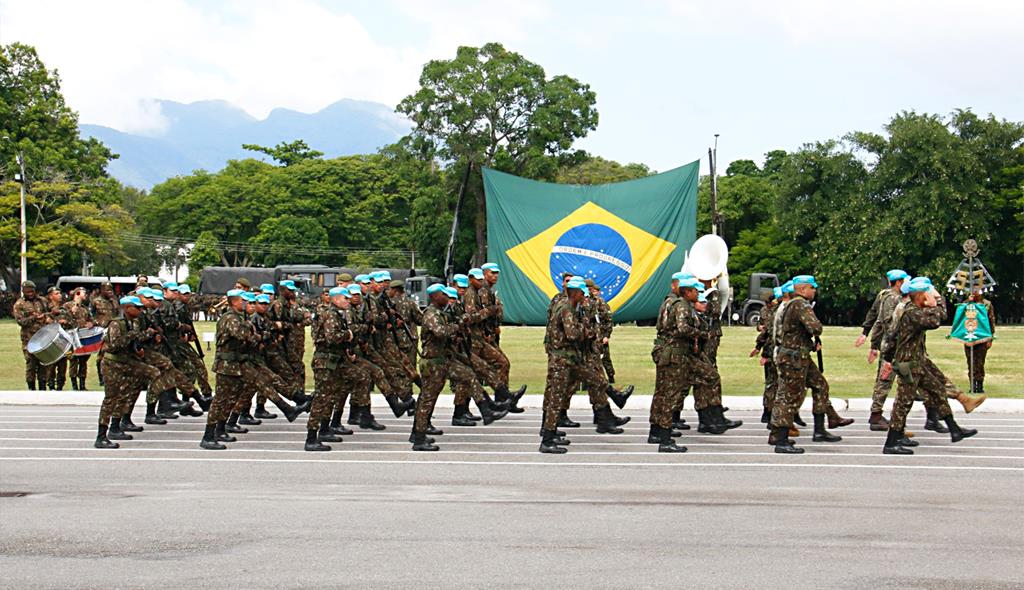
856, 406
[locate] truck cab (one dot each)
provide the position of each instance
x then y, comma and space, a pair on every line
760, 290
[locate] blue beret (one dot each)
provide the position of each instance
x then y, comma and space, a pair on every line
363, 279
476, 273
777, 292
805, 279
681, 276
703, 298
235, 292
577, 283
170, 285
263, 298
436, 288
461, 280
267, 288
130, 300
917, 286
381, 276
288, 285
922, 280
787, 287
689, 283
355, 290
452, 292
250, 297
156, 294
896, 274
184, 289
905, 287
339, 291
491, 267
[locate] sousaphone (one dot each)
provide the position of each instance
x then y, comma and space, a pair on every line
707, 260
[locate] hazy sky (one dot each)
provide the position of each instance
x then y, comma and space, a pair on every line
668, 75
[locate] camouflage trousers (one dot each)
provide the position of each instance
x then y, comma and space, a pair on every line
881, 389
78, 367
58, 373
34, 370
795, 376
482, 375
484, 372
268, 386
122, 382
434, 372
494, 358
230, 389
711, 348
921, 376
705, 380
376, 376
295, 349
333, 387
606, 361
565, 370
771, 384
980, 351
669, 378
591, 375
169, 377
400, 372
199, 371
277, 360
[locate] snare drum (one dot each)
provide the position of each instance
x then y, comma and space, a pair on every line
50, 344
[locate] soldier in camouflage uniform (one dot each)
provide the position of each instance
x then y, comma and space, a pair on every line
401, 372
492, 328
232, 364
411, 316
160, 390
876, 325
334, 371
57, 373
177, 348
31, 313
286, 313
479, 303
598, 388
103, 308
674, 341
763, 347
605, 324
977, 353
796, 332
713, 313
126, 375
81, 318
194, 361
703, 374
904, 352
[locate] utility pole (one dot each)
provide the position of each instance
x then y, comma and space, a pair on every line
24, 231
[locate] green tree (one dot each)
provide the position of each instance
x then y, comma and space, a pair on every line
597, 170
286, 153
493, 107
290, 240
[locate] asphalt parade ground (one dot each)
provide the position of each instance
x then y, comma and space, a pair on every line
489, 511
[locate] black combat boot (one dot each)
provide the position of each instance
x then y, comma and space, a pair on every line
74, 383
502, 395
289, 411
719, 415
412, 438
490, 410
707, 424
956, 433
459, 415
565, 422
654, 435
221, 434
210, 439
42, 384
353, 412
127, 425
232, 425
931, 421
325, 434
420, 442
619, 398
820, 434
513, 407
115, 432
262, 413
548, 444
497, 405
606, 422
248, 419
469, 414
766, 416
102, 442
367, 420
398, 407
203, 401
81, 384
433, 430
979, 386
336, 426
666, 444
152, 417
783, 444
798, 420
191, 410
303, 403
313, 441
678, 422
906, 441
892, 443
619, 420
31, 385
164, 407
173, 402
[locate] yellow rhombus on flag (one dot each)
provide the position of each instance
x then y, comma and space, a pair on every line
533, 257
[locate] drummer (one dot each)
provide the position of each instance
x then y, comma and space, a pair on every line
31, 314
57, 376
78, 310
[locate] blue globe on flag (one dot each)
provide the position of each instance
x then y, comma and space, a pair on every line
593, 251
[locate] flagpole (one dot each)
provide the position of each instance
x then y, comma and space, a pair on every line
449, 265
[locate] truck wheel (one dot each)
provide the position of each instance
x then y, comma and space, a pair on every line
754, 318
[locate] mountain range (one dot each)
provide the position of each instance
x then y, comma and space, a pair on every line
206, 134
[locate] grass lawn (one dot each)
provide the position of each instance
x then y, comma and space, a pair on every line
845, 366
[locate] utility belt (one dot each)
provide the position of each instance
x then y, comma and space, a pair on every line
234, 357
117, 358
795, 353
569, 355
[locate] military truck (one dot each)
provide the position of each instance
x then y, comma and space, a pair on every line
759, 291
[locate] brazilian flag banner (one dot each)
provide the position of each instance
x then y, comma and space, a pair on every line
629, 237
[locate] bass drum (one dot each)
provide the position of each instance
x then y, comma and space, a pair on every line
50, 344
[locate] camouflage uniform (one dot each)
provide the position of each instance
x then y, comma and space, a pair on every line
590, 370
57, 374
268, 385
876, 325
440, 361
79, 364
674, 346
905, 349
334, 371
605, 326
193, 363
103, 310
714, 316
361, 324
562, 338
795, 327
232, 364
766, 344
411, 315
24, 312
479, 307
170, 377
976, 354
293, 322
400, 371
125, 374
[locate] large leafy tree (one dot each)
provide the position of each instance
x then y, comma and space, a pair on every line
492, 107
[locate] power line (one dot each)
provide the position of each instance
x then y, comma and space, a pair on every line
155, 240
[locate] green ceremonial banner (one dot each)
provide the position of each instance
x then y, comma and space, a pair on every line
627, 236
970, 324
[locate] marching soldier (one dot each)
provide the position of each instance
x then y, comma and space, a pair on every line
411, 316
57, 375
31, 313
876, 325
481, 309
126, 374
192, 349
562, 337
401, 372
78, 311
235, 337
713, 313
605, 326
159, 392
705, 378
904, 352
675, 336
763, 347
104, 308
286, 313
